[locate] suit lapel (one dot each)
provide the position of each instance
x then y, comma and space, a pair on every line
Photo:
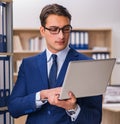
42, 65
72, 55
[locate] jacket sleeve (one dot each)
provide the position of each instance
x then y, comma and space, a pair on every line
20, 102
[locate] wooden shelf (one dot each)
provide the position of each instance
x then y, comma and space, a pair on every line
3, 108
115, 107
23, 54
5, 0
26, 52
92, 29
93, 51
6, 54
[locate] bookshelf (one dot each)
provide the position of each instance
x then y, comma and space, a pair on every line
22, 40
99, 43
6, 59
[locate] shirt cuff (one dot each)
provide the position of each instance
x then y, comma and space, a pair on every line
74, 115
39, 102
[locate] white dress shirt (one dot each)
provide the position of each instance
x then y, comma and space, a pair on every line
60, 60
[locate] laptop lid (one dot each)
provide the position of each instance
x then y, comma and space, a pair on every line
87, 77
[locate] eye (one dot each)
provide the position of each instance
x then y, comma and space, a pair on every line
54, 29
67, 28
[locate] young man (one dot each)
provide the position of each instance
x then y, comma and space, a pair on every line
34, 84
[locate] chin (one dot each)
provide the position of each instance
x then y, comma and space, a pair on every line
61, 48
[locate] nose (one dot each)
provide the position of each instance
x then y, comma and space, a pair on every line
61, 34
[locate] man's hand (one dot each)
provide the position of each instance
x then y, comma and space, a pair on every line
52, 95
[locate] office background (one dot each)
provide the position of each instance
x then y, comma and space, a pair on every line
98, 17
85, 14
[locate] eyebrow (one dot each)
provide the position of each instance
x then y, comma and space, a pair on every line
59, 27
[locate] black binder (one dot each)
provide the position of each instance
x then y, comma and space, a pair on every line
3, 39
4, 80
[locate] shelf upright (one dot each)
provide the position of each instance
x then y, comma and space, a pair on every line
6, 58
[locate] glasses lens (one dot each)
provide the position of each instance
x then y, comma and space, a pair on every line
54, 30
67, 28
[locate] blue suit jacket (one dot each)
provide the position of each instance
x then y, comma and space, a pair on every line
33, 78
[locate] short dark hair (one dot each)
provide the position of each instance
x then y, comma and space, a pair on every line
53, 9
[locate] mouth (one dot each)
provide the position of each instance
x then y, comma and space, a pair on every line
60, 41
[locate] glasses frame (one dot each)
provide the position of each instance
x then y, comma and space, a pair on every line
58, 29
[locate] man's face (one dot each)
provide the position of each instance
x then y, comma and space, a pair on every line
58, 41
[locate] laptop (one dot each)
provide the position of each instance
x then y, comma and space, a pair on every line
87, 77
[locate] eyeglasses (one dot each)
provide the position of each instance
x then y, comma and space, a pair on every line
56, 30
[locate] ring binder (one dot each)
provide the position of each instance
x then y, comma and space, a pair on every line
3, 40
3, 43
4, 88
79, 39
4, 81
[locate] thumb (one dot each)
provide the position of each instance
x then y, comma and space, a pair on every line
71, 94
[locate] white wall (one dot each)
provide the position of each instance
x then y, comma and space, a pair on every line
85, 14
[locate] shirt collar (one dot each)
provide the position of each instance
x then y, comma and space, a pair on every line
60, 55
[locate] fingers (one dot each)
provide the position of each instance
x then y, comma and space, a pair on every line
72, 97
53, 95
66, 104
53, 99
57, 90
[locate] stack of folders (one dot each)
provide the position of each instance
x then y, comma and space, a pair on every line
4, 88
35, 43
3, 41
79, 40
112, 94
97, 55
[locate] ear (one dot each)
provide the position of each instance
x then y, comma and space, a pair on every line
42, 31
